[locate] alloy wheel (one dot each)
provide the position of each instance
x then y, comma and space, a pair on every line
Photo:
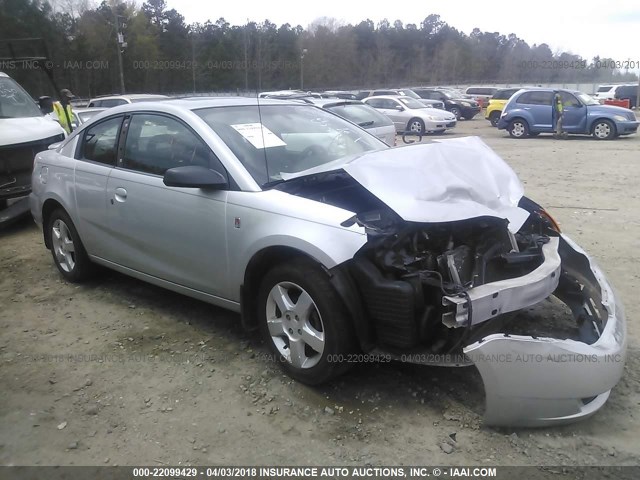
63, 246
295, 325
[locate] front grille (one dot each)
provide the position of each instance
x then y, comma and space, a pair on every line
16, 164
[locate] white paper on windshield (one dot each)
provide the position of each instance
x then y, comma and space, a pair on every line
445, 181
258, 135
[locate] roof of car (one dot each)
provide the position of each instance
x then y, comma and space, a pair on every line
332, 102
2, 74
89, 109
130, 96
196, 103
390, 97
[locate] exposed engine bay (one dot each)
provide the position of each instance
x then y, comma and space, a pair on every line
419, 281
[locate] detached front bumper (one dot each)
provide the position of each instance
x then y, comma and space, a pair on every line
532, 381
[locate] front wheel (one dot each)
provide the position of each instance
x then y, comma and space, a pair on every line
416, 126
304, 322
456, 111
604, 130
518, 128
67, 250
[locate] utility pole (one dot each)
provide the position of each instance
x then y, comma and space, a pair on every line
302, 53
246, 59
120, 43
193, 60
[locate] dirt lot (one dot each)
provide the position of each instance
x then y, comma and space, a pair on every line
121, 372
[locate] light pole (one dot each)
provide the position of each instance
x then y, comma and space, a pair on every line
120, 44
302, 53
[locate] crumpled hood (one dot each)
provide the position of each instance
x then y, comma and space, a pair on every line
444, 181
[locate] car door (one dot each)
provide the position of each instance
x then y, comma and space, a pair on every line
172, 233
96, 156
538, 104
383, 106
391, 108
574, 114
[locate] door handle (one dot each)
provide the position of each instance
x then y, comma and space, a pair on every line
120, 194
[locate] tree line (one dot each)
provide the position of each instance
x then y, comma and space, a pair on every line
161, 53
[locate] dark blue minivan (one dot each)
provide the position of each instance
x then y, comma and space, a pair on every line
529, 112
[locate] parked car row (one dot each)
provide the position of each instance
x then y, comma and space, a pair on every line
405, 110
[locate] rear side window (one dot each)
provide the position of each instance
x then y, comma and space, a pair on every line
384, 92
376, 103
156, 143
97, 103
113, 102
504, 94
100, 142
604, 88
536, 98
480, 91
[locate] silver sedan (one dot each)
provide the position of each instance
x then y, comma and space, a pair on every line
337, 247
409, 114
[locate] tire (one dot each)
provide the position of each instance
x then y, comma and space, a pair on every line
494, 118
325, 323
67, 249
603, 130
416, 125
518, 128
457, 112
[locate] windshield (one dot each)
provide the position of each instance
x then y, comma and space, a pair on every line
408, 93
363, 115
15, 102
587, 99
412, 103
286, 138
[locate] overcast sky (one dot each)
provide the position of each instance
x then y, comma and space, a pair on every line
587, 28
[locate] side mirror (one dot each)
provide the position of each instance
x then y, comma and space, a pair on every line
399, 108
193, 176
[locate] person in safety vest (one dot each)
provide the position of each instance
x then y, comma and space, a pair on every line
558, 113
63, 110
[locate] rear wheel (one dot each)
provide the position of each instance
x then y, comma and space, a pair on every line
518, 128
494, 117
67, 250
304, 322
604, 130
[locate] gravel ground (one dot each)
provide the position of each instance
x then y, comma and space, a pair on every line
120, 372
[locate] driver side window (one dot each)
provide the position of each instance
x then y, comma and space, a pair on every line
569, 100
156, 143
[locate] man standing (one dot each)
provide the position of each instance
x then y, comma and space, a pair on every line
63, 110
558, 113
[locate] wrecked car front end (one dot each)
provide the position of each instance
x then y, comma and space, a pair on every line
455, 258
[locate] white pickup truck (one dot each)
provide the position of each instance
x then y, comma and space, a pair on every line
24, 131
